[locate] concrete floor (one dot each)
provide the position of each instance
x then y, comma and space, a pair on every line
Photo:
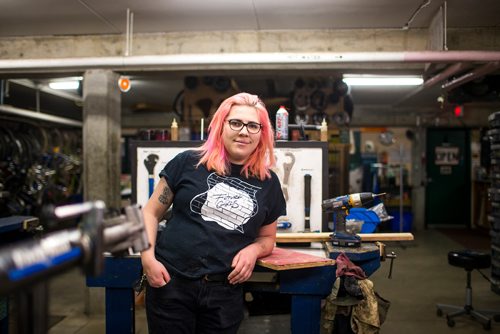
421, 278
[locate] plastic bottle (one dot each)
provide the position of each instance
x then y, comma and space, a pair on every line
324, 131
282, 124
174, 131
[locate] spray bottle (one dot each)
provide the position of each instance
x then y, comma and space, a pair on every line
282, 124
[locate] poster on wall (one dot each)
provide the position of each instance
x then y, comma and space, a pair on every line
302, 168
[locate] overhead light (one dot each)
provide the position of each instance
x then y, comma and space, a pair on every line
73, 83
381, 80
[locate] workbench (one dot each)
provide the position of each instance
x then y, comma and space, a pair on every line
307, 278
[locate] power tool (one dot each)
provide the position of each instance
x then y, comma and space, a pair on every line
340, 207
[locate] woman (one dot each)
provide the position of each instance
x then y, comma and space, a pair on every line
225, 204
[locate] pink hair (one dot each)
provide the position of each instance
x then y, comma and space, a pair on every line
213, 153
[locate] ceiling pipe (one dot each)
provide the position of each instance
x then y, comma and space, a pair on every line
443, 75
6, 109
446, 73
240, 60
478, 72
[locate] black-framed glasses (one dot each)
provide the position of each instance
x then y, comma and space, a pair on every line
237, 125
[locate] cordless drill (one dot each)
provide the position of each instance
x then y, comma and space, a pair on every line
340, 207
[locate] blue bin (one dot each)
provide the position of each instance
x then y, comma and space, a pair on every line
370, 218
407, 221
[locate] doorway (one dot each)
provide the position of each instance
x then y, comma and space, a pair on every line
447, 194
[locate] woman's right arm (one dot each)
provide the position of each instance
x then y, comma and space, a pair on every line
153, 211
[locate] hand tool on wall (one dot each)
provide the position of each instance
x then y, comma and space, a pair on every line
283, 225
340, 207
287, 167
307, 202
150, 163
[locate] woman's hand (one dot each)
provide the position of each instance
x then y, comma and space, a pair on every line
156, 273
243, 264
153, 211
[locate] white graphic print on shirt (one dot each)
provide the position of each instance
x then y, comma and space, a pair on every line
229, 201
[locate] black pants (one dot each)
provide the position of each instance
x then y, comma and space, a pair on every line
194, 306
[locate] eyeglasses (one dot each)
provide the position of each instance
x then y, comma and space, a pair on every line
237, 125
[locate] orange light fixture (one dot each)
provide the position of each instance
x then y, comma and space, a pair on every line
124, 84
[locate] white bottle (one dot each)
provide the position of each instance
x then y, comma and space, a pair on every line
282, 124
174, 131
324, 131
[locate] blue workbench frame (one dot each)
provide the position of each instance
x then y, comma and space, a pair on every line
307, 286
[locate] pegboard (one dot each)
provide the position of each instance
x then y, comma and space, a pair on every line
300, 158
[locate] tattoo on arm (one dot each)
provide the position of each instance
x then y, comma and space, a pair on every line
166, 196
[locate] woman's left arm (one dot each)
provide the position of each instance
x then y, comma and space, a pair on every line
244, 261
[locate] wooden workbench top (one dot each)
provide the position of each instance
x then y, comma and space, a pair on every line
325, 236
285, 259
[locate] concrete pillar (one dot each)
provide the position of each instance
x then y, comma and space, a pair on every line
101, 137
101, 152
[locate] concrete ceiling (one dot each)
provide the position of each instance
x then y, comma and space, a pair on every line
88, 17
65, 17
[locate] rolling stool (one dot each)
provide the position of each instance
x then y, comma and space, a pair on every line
469, 260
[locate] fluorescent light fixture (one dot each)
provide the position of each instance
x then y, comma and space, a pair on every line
381, 80
68, 84
64, 85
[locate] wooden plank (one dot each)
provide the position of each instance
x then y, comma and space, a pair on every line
284, 259
386, 237
325, 236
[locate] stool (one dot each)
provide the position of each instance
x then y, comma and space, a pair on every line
469, 260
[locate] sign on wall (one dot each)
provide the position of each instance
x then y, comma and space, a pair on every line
447, 155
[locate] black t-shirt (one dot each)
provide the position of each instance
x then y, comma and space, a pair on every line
213, 216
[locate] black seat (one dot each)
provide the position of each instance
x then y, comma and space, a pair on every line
469, 260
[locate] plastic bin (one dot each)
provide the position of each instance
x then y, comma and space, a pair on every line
370, 218
407, 221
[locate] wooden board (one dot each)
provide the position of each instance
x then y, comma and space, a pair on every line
325, 236
284, 259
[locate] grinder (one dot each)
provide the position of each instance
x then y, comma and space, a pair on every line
340, 207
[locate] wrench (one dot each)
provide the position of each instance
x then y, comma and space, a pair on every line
287, 167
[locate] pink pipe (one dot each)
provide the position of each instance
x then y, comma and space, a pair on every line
451, 56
